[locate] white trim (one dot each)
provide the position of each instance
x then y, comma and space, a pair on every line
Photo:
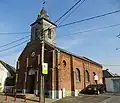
59, 94
52, 94
36, 92
76, 92
63, 92
24, 91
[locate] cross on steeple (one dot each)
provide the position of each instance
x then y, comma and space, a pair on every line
44, 1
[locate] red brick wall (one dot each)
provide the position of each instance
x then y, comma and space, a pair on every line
22, 59
65, 77
65, 72
97, 70
77, 63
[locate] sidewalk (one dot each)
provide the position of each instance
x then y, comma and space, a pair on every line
28, 100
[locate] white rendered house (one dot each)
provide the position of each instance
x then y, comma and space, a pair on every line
6, 71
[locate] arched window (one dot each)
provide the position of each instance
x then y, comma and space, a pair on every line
49, 33
77, 75
64, 64
94, 75
87, 76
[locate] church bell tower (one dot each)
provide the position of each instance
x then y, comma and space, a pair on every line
43, 27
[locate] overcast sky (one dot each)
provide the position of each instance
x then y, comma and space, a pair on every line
99, 45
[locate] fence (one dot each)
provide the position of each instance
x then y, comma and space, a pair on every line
9, 89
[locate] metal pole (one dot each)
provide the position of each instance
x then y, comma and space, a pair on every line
25, 73
41, 96
16, 79
25, 82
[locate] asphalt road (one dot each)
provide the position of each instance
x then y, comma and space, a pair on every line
104, 98
91, 99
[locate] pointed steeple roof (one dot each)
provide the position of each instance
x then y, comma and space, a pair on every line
43, 14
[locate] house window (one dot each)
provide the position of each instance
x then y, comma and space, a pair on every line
49, 33
64, 63
87, 79
94, 75
77, 75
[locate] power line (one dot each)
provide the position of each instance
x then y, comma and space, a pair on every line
110, 64
41, 30
68, 11
14, 41
70, 34
91, 18
14, 33
50, 26
100, 28
79, 32
95, 29
72, 22
62, 16
87, 19
118, 35
29, 32
14, 46
72, 12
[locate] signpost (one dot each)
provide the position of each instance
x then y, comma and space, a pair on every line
44, 68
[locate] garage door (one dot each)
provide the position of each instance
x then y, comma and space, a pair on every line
116, 84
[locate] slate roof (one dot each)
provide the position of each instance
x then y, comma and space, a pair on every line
107, 73
9, 68
63, 50
43, 14
81, 57
114, 74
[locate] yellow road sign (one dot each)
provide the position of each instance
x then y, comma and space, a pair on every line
16, 77
44, 68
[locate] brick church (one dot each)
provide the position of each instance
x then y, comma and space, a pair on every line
67, 73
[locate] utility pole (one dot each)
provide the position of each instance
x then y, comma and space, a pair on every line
25, 73
16, 79
41, 89
41, 96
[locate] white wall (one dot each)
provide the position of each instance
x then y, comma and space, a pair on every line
109, 85
3, 75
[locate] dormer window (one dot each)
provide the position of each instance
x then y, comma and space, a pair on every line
49, 33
